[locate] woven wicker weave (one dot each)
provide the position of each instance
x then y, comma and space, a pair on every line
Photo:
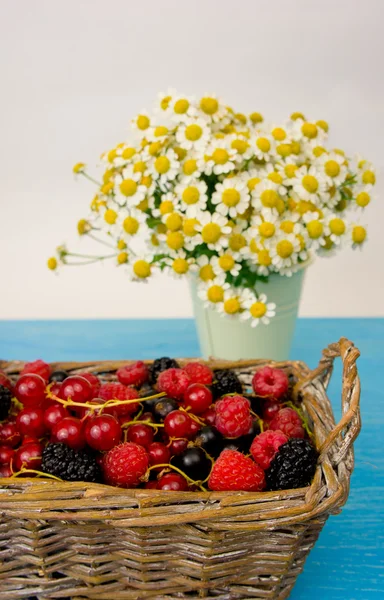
76, 540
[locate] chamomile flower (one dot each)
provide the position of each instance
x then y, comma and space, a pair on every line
287, 169
128, 189
264, 225
141, 122
212, 108
168, 203
261, 260
165, 167
220, 157
225, 263
363, 196
366, 174
140, 269
241, 145
173, 221
231, 197
231, 304
212, 292
192, 195
181, 108
180, 265
130, 223
338, 227
213, 230
265, 195
271, 173
316, 230
284, 250
333, 167
310, 184
157, 134
251, 178
264, 146
358, 235
193, 134
257, 309
205, 271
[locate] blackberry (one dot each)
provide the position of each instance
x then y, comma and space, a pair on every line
68, 464
159, 365
5, 402
226, 382
293, 466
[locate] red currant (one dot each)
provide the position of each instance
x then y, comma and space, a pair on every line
159, 454
9, 434
194, 429
53, 414
76, 388
28, 456
6, 455
172, 482
177, 424
69, 431
93, 381
30, 421
150, 485
209, 416
147, 416
102, 432
198, 398
5, 471
178, 446
30, 390
4, 381
140, 434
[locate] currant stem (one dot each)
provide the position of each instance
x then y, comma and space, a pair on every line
39, 473
190, 481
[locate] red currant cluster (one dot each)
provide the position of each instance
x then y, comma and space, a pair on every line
193, 429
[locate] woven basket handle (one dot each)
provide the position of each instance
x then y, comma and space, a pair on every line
345, 432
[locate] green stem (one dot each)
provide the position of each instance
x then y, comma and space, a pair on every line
90, 178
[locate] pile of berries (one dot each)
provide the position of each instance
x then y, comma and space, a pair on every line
159, 427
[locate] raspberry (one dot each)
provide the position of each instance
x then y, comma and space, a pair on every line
93, 381
174, 383
235, 472
5, 382
135, 374
288, 421
125, 465
37, 367
198, 373
270, 383
118, 391
265, 446
233, 417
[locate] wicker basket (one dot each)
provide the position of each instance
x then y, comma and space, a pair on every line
77, 540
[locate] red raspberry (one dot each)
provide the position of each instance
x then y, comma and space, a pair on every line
118, 391
125, 465
174, 383
37, 367
93, 381
265, 446
235, 472
233, 417
135, 374
199, 373
288, 421
4, 381
270, 383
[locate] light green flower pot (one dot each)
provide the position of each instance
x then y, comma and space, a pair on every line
232, 339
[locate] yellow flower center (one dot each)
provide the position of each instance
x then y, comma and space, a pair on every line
111, 155
264, 258
309, 130
341, 205
193, 132
142, 269
142, 122
253, 246
174, 222
206, 273
122, 258
211, 233
220, 156
290, 170
180, 266
297, 115
328, 243
363, 199
83, 227
236, 242
323, 125
318, 151
161, 228
232, 306
154, 148
252, 183
155, 240
181, 106
280, 206
279, 134
258, 310
191, 195
369, 177
359, 234
284, 149
239, 145
166, 207
256, 118
110, 216
146, 180
162, 164
106, 188
230, 197
175, 240
180, 152
160, 131
267, 229
284, 248
215, 293
310, 183
337, 226
315, 229
295, 147
121, 245
226, 262
339, 151
139, 167
209, 105
190, 166
78, 167
189, 227
269, 198
332, 168
128, 187
131, 225
165, 102
304, 206
52, 263
275, 177
263, 144
108, 174
128, 153
242, 118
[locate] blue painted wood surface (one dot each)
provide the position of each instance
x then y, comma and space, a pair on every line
347, 562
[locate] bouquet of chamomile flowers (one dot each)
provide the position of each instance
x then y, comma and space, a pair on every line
201, 190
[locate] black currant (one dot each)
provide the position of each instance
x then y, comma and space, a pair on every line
163, 407
194, 463
58, 376
210, 440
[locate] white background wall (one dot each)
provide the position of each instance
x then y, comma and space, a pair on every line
73, 72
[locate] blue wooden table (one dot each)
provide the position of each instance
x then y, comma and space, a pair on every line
348, 560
